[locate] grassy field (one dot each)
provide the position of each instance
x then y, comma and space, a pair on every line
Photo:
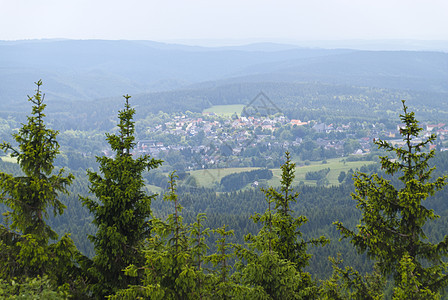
154, 189
208, 177
336, 166
225, 110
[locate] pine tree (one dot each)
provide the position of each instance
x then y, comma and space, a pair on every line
348, 283
288, 241
393, 217
31, 195
223, 286
277, 255
198, 253
24, 241
121, 208
173, 268
409, 287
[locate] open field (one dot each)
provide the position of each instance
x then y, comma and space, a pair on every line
154, 189
336, 165
225, 110
208, 177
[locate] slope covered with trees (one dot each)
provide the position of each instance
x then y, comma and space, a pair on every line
202, 245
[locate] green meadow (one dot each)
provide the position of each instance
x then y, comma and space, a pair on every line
208, 177
225, 110
336, 165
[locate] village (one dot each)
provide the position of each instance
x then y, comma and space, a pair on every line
212, 141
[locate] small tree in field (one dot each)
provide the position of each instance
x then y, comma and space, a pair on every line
121, 209
391, 228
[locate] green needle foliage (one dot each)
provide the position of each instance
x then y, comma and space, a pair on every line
35, 288
288, 241
24, 247
173, 259
121, 209
223, 287
277, 255
410, 287
347, 283
173, 274
199, 249
391, 228
29, 196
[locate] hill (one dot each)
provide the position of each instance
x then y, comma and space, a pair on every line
85, 70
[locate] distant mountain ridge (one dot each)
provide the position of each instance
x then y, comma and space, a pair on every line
85, 70
89, 69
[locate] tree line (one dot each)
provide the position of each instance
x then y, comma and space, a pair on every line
237, 181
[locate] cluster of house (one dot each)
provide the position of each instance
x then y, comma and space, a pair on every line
240, 133
237, 133
440, 130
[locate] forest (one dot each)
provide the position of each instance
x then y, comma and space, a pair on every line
383, 227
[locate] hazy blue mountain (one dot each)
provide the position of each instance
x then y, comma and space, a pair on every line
82, 75
88, 69
389, 69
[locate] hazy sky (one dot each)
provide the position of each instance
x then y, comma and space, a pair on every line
279, 20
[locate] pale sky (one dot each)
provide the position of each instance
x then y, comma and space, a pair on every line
263, 20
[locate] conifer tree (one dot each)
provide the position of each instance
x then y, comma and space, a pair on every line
277, 255
173, 273
173, 267
391, 227
288, 241
31, 195
24, 247
198, 253
409, 287
348, 283
223, 286
121, 208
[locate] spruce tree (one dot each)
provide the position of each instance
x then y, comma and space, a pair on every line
223, 286
348, 283
173, 259
409, 287
288, 241
168, 252
277, 255
391, 229
198, 249
24, 241
121, 208
29, 196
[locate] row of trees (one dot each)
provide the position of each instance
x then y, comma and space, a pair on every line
237, 181
140, 255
